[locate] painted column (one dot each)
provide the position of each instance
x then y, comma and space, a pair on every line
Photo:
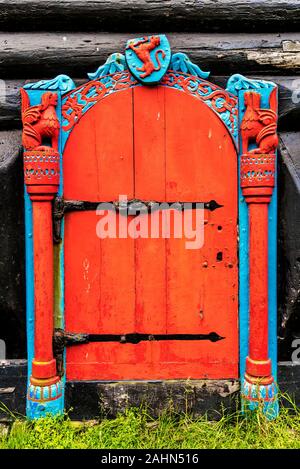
41, 174
257, 179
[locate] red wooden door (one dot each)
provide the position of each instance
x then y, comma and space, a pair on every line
151, 144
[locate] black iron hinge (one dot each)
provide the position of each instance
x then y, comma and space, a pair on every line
64, 339
131, 207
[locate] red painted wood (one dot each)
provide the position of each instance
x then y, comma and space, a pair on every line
98, 162
99, 274
43, 365
258, 364
259, 126
83, 271
149, 143
84, 369
258, 279
161, 144
202, 292
41, 176
149, 169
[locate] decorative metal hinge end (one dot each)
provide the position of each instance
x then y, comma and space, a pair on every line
61, 339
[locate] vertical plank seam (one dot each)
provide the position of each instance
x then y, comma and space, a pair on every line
99, 241
166, 240
134, 195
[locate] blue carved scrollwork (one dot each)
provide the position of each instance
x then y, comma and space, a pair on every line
238, 82
180, 62
61, 82
115, 63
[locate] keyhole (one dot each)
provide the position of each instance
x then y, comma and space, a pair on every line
219, 256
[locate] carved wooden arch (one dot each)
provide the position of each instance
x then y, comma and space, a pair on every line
248, 109
77, 102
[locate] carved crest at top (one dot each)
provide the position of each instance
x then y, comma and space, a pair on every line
258, 126
40, 122
148, 58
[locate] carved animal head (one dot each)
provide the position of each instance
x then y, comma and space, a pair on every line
267, 117
156, 40
48, 99
252, 99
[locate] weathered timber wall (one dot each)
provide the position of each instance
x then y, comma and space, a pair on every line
163, 15
289, 244
289, 110
35, 54
12, 278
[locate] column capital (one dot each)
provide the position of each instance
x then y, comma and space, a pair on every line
257, 174
41, 173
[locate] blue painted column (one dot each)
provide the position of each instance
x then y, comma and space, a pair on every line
41, 399
259, 394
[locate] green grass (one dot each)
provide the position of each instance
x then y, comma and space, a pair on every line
135, 429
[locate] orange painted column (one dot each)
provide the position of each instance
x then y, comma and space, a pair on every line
258, 195
43, 366
42, 179
41, 176
257, 183
257, 179
258, 280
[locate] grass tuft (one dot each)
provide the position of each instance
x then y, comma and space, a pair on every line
136, 429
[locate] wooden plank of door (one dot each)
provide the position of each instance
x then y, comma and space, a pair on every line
201, 165
108, 264
150, 257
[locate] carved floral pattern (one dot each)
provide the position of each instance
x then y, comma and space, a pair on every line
41, 167
256, 395
257, 170
44, 393
224, 104
76, 103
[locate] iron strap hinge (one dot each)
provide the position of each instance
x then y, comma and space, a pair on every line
64, 339
61, 339
131, 207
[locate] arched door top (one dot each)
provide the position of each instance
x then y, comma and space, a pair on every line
246, 110
115, 75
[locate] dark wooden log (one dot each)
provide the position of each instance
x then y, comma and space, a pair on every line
91, 399
289, 242
13, 377
10, 103
289, 382
289, 100
163, 15
12, 275
34, 54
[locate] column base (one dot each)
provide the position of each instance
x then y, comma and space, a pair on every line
44, 399
256, 395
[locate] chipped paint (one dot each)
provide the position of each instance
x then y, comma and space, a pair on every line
58, 312
275, 58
